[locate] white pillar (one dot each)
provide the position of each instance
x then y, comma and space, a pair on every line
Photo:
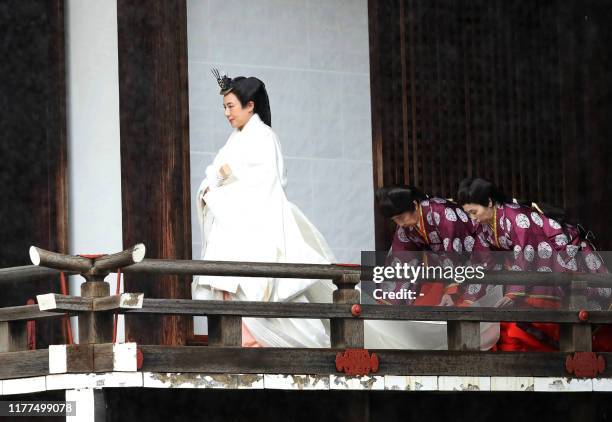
89, 404
92, 84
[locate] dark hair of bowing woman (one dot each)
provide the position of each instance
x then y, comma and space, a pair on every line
537, 239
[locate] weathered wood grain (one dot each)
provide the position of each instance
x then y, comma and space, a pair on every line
322, 361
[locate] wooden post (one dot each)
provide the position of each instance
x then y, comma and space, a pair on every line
346, 332
463, 335
95, 327
13, 336
224, 331
576, 337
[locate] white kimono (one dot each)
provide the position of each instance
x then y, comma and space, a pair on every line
247, 217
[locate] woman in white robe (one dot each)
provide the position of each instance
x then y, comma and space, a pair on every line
245, 216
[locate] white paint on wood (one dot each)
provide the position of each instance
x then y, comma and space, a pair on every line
411, 383
296, 382
250, 381
58, 360
84, 403
131, 300
464, 383
63, 381
138, 253
341, 382
544, 384
602, 384
46, 302
124, 357
70, 381
189, 380
24, 385
512, 384
34, 255
119, 379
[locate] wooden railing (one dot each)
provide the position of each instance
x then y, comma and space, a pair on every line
95, 308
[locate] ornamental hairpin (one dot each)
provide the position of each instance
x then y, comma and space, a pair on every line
224, 82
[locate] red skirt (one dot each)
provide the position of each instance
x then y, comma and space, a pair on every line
530, 337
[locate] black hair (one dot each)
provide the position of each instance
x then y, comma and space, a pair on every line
480, 191
253, 89
397, 199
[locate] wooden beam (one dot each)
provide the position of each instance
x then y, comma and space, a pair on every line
71, 358
26, 312
59, 261
239, 269
348, 331
320, 271
29, 273
64, 303
119, 302
154, 115
384, 312
95, 327
121, 259
577, 336
30, 363
463, 335
322, 361
72, 304
33, 148
13, 336
224, 331
114, 357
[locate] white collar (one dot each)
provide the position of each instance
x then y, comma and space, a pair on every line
255, 120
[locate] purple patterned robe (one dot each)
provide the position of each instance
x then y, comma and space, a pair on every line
538, 243
449, 232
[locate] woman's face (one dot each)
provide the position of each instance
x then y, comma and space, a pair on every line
407, 218
237, 115
479, 213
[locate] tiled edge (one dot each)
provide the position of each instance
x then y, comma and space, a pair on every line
300, 382
119, 379
341, 382
512, 384
464, 383
602, 384
411, 383
24, 385
250, 381
296, 382
543, 384
189, 380
70, 381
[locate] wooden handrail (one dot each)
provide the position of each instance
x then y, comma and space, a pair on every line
29, 273
54, 305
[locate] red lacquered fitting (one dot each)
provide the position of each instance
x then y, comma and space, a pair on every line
583, 315
139, 358
356, 310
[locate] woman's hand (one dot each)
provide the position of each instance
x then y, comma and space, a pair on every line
504, 302
446, 301
225, 171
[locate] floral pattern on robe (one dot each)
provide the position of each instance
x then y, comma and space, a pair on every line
449, 233
537, 243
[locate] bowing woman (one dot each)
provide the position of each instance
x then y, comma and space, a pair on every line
443, 231
539, 240
429, 225
244, 215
